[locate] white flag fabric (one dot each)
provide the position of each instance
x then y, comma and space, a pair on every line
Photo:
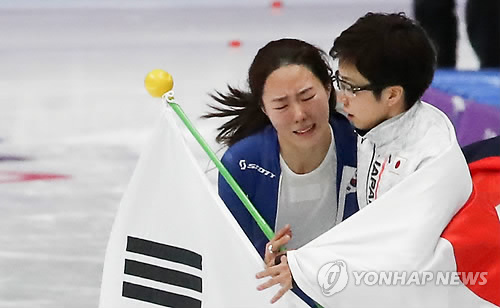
174, 243
391, 253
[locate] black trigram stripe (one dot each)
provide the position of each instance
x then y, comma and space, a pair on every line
165, 252
159, 297
161, 274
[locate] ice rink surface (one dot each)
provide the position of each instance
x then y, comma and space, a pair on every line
74, 115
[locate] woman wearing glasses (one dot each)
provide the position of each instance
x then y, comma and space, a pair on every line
386, 62
289, 150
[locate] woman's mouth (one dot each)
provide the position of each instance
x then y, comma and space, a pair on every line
305, 130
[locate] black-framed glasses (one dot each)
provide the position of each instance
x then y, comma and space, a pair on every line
348, 88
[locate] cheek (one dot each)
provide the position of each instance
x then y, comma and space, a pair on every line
371, 115
340, 98
278, 119
322, 108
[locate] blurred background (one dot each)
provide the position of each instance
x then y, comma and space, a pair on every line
74, 113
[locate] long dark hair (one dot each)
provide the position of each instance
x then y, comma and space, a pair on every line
246, 106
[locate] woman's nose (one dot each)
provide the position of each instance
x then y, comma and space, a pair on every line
342, 97
299, 112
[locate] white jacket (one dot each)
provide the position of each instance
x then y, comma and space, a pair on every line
397, 147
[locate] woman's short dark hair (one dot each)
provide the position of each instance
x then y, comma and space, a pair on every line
389, 50
246, 106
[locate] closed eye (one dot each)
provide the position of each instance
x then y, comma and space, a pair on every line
280, 108
345, 86
309, 98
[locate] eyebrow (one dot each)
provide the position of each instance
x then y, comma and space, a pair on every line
279, 98
284, 97
305, 90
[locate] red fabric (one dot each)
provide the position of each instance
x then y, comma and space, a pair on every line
474, 232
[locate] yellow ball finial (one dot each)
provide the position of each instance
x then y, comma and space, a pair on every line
158, 82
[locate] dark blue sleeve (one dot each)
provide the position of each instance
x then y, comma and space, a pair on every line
249, 184
232, 201
482, 149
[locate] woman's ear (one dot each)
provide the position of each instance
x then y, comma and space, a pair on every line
394, 95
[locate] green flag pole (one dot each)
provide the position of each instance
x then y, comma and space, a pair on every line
169, 99
159, 83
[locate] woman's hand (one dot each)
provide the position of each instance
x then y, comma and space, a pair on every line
279, 274
282, 237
